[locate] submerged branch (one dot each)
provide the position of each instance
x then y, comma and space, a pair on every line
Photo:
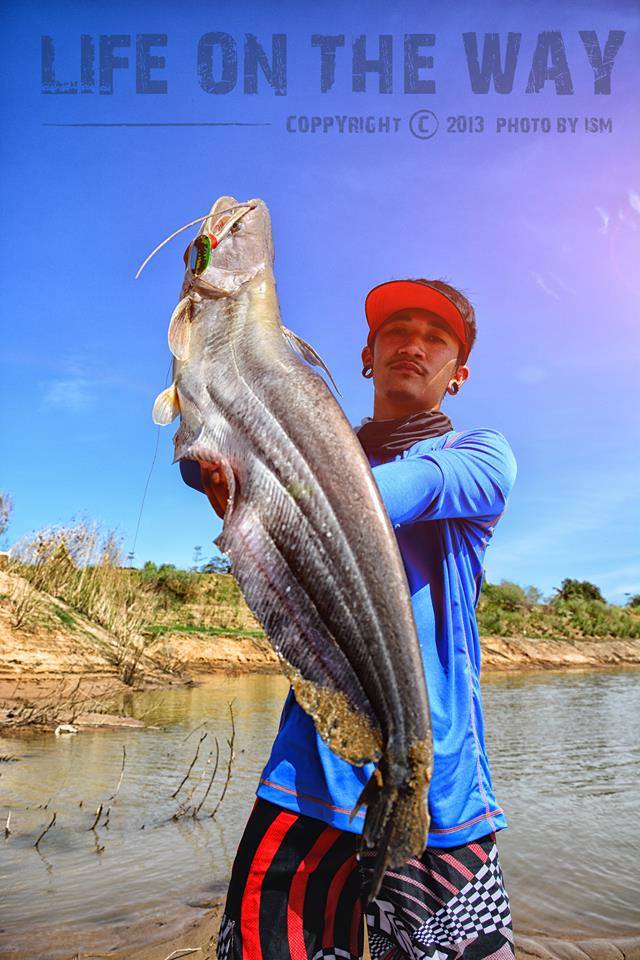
215, 770
230, 744
124, 759
46, 829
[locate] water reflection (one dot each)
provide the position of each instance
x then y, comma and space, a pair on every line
565, 753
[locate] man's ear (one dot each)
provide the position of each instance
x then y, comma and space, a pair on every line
367, 356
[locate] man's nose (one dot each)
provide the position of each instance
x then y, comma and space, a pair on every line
413, 345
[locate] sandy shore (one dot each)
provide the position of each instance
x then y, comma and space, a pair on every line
199, 937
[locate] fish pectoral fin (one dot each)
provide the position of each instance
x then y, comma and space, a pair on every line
166, 406
180, 329
308, 353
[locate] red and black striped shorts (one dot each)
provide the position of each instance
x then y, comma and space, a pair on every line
298, 892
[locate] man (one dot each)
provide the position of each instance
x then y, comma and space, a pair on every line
298, 886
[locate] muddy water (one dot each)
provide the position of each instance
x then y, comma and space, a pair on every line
565, 753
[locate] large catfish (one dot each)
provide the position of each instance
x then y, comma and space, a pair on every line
310, 541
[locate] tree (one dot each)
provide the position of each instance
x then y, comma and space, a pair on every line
634, 600
197, 558
6, 509
220, 564
507, 595
578, 589
533, 595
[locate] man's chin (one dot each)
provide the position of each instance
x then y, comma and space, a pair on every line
402, 393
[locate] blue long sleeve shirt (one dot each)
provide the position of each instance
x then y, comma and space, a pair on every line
444, 496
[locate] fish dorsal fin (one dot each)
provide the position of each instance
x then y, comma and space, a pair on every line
308, 353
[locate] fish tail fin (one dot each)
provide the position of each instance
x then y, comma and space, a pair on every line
396, 826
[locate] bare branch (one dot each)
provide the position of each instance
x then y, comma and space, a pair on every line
191, 765
46, 829
98, 812
124, 759
183, 953
230, 744
215, 770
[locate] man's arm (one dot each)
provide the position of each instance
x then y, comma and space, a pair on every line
471, 478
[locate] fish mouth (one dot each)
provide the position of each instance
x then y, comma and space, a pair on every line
406, 365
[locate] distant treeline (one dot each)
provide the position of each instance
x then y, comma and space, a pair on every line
86, 568
576, 610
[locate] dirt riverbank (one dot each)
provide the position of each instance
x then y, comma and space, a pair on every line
57, 656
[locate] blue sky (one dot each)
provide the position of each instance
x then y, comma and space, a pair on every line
541, 230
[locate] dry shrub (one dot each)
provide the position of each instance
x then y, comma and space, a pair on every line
25, 604
82, 566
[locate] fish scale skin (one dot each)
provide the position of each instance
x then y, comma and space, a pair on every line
314, 575
298, 545
303, 497
252, 415
253, 420
337, 460
289, 616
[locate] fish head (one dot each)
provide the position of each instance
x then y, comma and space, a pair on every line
241, 247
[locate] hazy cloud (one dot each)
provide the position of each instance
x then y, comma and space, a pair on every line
74, 393
634, 200
544, 286
605, 220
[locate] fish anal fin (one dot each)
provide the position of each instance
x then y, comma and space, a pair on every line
349, 734
308, 353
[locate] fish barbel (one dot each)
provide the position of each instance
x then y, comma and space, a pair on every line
311, 544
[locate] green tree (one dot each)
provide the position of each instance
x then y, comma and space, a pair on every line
505, 595
221, 564
578, 589
634, 600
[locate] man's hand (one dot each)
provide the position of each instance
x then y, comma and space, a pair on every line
215, 486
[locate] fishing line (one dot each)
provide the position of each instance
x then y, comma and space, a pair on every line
217, 214
153, 463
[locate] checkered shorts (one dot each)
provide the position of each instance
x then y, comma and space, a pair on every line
298, 888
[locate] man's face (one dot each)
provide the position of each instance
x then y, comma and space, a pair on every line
414, 359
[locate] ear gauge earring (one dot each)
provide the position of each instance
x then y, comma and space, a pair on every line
367, 372
453, 388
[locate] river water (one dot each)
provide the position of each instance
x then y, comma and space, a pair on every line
565, 756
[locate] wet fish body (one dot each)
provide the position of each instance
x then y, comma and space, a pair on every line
311, 544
